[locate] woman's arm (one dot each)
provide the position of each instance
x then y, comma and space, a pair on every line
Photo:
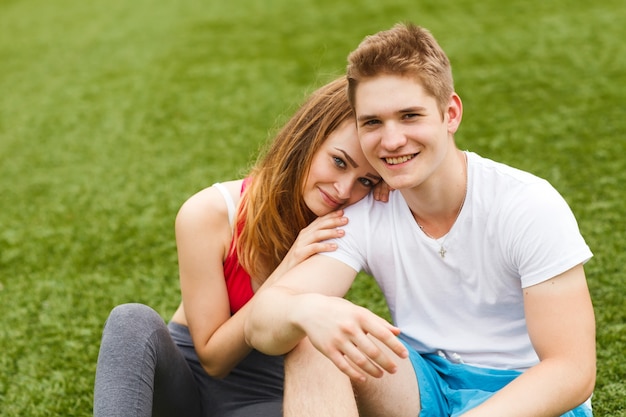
203, 238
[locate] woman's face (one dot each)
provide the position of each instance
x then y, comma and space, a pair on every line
339, 174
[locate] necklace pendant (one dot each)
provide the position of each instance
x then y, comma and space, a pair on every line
442, 252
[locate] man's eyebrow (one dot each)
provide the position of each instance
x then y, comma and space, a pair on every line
364, 117
345, 154
414, 109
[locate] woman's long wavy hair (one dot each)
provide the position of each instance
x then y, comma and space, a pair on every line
272, 210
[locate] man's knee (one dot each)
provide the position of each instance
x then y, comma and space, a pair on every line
393, 394
314, 386
303, 354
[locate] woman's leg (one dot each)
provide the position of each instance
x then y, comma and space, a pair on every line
140, 370
253, 388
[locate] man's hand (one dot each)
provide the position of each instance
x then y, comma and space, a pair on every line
345, 333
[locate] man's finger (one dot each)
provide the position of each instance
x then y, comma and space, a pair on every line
359, 360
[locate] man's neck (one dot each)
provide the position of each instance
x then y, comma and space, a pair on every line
437, 204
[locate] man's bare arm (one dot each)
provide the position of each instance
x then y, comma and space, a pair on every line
307, 302
561, 325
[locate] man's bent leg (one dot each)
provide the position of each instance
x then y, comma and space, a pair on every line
391, 395
314, 386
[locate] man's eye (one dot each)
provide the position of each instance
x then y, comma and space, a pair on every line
371, 122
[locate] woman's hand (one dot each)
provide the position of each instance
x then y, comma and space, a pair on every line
312, 239
381, 191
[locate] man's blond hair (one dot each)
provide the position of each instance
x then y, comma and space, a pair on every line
405, 50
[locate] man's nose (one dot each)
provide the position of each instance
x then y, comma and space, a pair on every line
392, 137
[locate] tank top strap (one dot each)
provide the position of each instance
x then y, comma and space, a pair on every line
230, 204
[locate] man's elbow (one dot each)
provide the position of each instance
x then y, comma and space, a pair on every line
216, 371
256, 331
252, 332
588, 381
262, 341
583, 381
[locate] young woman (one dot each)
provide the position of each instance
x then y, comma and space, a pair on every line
235, 239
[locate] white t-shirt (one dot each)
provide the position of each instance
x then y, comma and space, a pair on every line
514, 231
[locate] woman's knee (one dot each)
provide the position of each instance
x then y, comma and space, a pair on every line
132, 321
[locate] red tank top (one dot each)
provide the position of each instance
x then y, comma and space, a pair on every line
238, 281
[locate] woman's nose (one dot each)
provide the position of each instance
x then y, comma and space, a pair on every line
344, 188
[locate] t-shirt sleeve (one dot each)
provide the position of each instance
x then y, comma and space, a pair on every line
351, 248
543, 235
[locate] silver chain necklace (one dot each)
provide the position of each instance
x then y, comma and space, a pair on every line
442, 249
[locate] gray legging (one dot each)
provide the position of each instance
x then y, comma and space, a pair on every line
146, 368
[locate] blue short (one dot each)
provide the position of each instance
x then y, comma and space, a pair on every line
451, 389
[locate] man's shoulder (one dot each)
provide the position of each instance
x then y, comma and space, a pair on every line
362, 206
369, 208
488, 169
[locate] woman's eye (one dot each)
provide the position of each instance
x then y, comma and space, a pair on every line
367, 182
339, 162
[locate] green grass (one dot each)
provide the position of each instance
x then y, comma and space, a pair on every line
113, 112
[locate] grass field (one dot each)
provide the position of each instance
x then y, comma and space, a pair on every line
113, 112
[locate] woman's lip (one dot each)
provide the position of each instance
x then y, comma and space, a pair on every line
329, 200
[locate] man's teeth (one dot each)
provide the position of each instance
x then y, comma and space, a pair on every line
398, 159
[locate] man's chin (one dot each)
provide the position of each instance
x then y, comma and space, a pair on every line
397, 183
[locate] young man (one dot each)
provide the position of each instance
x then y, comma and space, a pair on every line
481, 266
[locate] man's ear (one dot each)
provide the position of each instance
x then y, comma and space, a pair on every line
454, 111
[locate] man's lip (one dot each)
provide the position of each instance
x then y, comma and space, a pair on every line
400, 159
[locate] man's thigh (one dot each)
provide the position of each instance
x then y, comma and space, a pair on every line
314, 386
394, 394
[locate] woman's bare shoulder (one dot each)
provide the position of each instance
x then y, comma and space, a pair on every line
209, 205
